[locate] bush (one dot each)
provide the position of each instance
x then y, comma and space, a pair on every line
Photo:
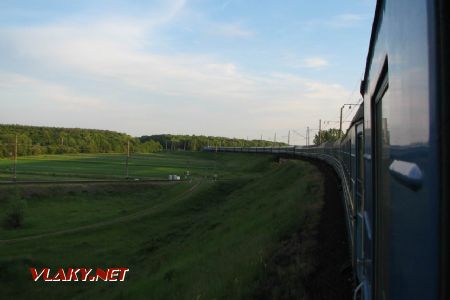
15, 214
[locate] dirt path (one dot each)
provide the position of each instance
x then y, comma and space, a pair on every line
126, 218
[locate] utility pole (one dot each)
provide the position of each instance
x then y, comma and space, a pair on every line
320, 131
307, 136
289, 137
275, 138
260, 141
128, 158
15, 160
340, 119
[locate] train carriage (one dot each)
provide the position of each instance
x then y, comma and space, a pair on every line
392, 162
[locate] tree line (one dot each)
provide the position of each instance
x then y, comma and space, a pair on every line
198, 142
37, 140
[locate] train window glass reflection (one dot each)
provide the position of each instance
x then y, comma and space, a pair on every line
381, 191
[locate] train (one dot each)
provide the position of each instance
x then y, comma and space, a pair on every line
393, 160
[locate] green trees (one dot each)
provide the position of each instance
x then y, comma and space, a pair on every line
33, 140
329, 135
197, 142
146, 147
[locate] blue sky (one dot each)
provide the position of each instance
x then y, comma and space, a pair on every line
231, 68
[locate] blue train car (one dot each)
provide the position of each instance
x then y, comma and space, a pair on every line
401, 245
393, 160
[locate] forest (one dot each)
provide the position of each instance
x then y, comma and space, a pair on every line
38, 140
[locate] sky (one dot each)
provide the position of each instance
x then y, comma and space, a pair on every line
235, 68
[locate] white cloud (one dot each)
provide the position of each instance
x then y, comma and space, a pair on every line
341, 21
225, 4
315, 62
233, 30
174, 8
347, 20
190, 93
47, 93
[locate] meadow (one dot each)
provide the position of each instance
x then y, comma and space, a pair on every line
113, 166
194, 239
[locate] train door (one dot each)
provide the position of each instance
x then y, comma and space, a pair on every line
381, 188
444, 28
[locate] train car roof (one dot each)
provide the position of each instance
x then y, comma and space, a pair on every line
359, 114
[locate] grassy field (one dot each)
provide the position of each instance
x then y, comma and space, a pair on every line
201, 239
112, 166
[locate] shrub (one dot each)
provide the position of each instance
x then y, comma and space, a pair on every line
15, 214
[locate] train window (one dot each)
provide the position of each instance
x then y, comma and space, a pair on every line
360, 165
381, 177
349, 158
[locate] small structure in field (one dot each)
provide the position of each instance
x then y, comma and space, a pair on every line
174, 177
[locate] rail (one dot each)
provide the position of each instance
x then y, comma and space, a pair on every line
314, 153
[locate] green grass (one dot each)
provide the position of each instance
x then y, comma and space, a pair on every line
211, 242
112, 166
67, 207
